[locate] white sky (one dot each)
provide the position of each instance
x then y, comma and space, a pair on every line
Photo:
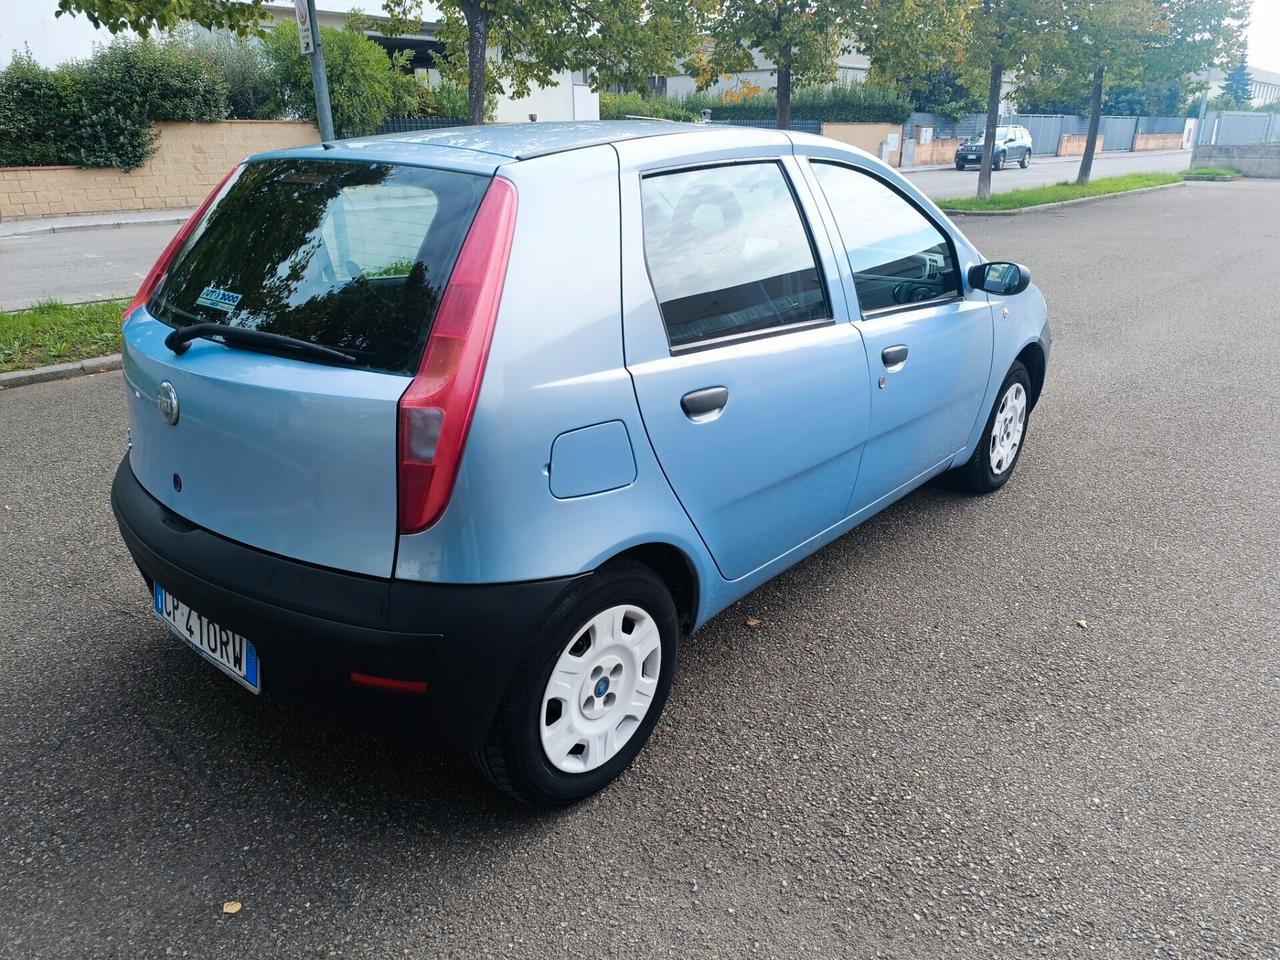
1264, 35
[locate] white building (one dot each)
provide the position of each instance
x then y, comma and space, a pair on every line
1263, 84
32, 25
850, 68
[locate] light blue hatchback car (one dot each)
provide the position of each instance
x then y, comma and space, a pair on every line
464, 430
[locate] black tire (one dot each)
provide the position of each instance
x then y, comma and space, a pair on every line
997, 162
977, 476
1025, 161
959, 166
512, 757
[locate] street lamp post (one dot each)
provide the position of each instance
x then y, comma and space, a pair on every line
309, 43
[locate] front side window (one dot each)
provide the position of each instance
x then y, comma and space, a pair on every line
898, 256
729, 253
352, 256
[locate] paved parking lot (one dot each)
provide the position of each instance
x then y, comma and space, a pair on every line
918, 753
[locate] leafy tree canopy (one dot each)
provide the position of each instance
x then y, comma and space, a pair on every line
147, 16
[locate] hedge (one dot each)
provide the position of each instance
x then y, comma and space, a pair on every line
99, 112
838, 103
619, 106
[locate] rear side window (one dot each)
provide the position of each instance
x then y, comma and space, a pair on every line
898, 256
729, 253
352, 256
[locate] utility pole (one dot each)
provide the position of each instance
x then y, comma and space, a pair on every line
309, 43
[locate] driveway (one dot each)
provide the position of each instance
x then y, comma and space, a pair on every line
100, 264
917, 753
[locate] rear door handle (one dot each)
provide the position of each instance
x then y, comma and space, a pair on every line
704, 404
894, 357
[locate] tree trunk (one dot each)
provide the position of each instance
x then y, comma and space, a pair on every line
784, 89
993, 119
477, 17
1095, 120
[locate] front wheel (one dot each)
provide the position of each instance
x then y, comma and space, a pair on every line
997, 162
1025, 161
1001, 444
589, 690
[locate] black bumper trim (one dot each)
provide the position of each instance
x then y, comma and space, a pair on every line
313, 626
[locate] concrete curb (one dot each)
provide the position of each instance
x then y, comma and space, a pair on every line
1061, 203
72, 227
1217, 178
59, 371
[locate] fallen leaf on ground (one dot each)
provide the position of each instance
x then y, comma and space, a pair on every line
752, 622
1082, 624
232, 906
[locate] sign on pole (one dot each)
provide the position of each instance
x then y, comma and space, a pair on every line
306, 41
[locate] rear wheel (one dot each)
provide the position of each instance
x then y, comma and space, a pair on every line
589, 690
959, 166
1001, 444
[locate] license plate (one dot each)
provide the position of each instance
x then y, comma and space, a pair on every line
229, 652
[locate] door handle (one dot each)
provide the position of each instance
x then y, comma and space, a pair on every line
894, 357
704, 404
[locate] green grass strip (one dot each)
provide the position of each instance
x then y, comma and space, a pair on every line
55, 332
1199, 173
1037, 196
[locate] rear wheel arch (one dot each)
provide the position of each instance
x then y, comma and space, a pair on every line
673, 566
1032, 357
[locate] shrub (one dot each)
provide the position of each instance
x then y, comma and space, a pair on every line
839, 103
449, 99
99, 112
618, 106
243, 64
365, 84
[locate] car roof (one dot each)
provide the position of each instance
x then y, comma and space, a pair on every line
491, 145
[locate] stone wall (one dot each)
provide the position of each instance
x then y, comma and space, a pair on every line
189, 161
1253, 160
937, 150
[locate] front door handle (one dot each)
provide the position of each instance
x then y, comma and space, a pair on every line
704, 404
894, 357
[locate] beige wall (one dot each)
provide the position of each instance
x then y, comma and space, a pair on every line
189, 161
1157, 141
937, 150
1072, 145
867, 136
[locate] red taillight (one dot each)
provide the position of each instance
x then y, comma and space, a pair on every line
388, 683
162, 264
436, 410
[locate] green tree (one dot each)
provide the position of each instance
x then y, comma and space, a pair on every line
619, 42
146, 16
801, 38
244, 64
1238, 85
1007, 36
365, 84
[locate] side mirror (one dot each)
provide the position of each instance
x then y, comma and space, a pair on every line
1000, 277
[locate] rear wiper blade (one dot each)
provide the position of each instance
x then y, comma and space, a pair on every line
180, 339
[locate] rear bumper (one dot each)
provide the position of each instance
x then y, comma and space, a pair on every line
313, 627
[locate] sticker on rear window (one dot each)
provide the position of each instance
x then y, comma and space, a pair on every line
223, 300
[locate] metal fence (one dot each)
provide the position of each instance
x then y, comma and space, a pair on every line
1047, 130
407, 125
801, 126
1238, 129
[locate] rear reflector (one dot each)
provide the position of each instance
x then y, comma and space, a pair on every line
161, 267
436, 409
389, 683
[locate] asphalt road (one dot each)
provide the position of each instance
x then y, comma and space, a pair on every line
99, 264
918, 753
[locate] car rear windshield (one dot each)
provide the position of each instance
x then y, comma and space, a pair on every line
352, 256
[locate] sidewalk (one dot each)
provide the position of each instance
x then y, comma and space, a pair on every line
96, 221
1037, 158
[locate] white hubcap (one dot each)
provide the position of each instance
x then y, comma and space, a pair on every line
1006, 432
600, 688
